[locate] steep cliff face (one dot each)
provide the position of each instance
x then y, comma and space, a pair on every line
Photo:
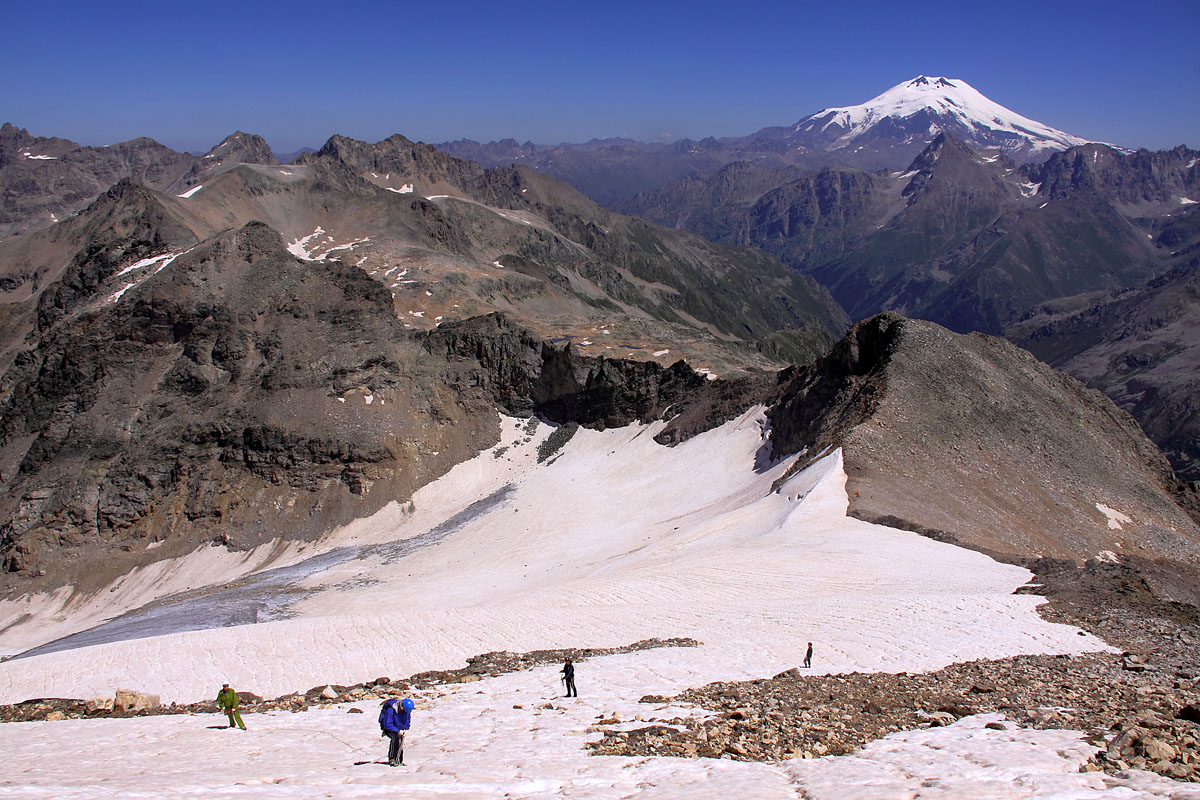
813, 219
524, 375
232, 392
969, 436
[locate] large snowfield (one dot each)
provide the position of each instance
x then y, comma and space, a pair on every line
614, 540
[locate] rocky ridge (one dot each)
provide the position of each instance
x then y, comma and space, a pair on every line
970, 439
619, 266
478, 668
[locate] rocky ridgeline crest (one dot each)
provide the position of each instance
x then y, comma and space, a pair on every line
47, 180
970, 439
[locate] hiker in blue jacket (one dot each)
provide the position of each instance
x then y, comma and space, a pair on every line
393, 722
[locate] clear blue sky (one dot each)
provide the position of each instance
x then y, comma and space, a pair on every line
295, 73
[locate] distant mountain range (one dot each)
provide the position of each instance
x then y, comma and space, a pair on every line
961, 237
929, 200
45, 180
971, 240
884, 133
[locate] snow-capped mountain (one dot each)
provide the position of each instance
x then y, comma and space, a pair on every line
923, 107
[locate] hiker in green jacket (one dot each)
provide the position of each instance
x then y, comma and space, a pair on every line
227, 701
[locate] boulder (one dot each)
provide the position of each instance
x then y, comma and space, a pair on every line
1158, 750
99, 704
127, 700
329, 693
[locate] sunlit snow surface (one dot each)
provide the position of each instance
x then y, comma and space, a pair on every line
954, 97
615, 540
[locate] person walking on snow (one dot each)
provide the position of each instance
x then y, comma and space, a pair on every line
568, 678
808, 656
227, 701
393, 722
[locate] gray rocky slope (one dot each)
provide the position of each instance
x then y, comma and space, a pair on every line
1141, 347
46, 180
969, 438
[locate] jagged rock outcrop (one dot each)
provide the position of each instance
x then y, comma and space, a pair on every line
523, 375
1143, 179
237, 148
422, 164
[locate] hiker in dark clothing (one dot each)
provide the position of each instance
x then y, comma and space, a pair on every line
568, 678
227, 701
393, 722
808, 656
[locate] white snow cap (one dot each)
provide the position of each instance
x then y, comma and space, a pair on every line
945, 96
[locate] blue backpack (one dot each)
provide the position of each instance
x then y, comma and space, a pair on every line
388, 718
393, 719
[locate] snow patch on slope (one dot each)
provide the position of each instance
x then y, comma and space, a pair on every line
1115, 518
616, 540
299, 248
163, 261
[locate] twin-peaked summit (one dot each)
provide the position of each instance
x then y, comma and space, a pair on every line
920, 109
